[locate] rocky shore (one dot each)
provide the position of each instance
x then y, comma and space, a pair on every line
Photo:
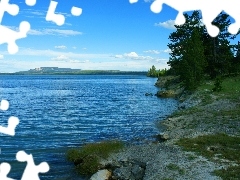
200, 113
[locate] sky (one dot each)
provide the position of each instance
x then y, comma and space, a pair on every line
108, 35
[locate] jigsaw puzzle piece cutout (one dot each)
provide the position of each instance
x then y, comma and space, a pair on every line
31, 171
4, 170
30, 2
9, 36
76, 11
133, 1
208, 16
208, 13
4, 105
232, 9
12, 9
59, 19
10, 129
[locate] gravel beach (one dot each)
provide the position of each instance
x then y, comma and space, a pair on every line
198, 115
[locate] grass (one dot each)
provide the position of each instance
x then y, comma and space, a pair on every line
230, 87
233, 173
216, 147
87, 158
175, 167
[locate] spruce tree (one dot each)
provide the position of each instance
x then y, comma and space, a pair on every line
193, 61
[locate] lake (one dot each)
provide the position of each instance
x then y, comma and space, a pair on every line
57, 112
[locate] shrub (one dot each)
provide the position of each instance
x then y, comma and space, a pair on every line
86, 159
218, 84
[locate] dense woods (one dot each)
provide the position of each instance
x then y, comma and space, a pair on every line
196, 56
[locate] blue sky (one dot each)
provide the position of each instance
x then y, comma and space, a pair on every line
109, 34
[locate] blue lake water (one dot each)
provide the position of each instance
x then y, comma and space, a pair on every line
59, 112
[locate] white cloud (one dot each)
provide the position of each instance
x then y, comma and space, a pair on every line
167, 51
163, 60
61, 47
23, 64
60, 58
118, 56
131, 55
1, 56
152, 51
135, 56
59, 32
68, 59
52, 53
35, 13
158, 51
167, 24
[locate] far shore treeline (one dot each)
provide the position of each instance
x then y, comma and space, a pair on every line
196, 56
69, 71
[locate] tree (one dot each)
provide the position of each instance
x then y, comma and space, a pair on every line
218, 49
152, 72
193, 63
178, 40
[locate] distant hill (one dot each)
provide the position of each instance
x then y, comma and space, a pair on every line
69, 71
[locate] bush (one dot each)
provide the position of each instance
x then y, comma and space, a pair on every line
86, 159
218, 84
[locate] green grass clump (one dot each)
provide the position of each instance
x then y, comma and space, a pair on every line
222, 146
230, 87
86, 158
175, 167
209, 145
233, 173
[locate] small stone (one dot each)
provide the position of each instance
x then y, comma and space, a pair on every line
122, 172
101, 175
162, 137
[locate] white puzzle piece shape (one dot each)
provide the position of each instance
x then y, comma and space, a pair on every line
210, 10
4, 170
9, 36
10, 129
31, 171
4, 105
59, 19
12, 9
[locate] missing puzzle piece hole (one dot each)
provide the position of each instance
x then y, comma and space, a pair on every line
30, 2
4, 105
213, 30
180, 19
24, 27
75, 11
12, 48
156, 6
133, 1
233, 28
5, 169
14, 10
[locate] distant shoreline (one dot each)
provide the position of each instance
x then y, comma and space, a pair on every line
83, 73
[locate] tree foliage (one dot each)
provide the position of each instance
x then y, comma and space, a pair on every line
153, 72
195, 54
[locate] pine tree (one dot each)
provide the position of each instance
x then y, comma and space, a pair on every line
218, 49
178, 40
193, 61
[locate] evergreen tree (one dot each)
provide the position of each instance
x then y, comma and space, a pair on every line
152, 72
178, 40
218, 49
193, 62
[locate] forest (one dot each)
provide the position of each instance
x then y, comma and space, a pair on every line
196, 56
